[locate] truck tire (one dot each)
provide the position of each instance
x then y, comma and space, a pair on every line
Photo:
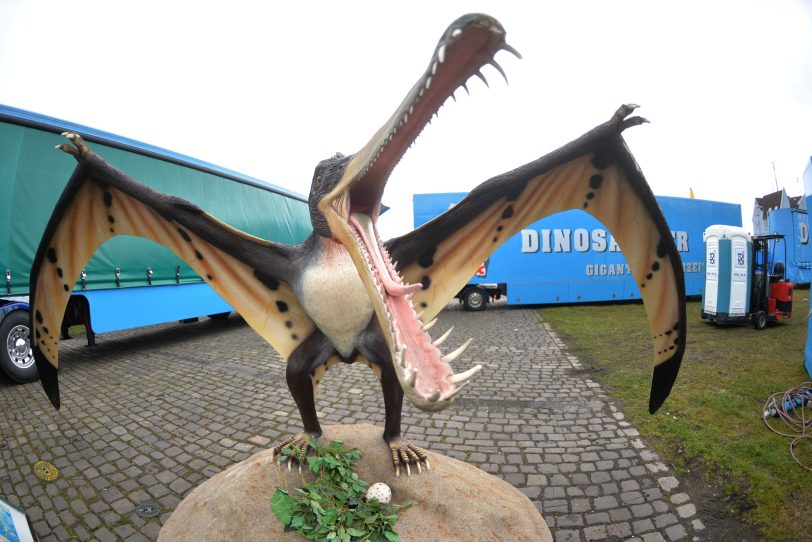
759, 320
474, 299
16, 357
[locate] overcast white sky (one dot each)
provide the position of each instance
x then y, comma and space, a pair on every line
270, 91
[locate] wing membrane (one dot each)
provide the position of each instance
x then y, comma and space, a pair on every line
595, 173
100, 202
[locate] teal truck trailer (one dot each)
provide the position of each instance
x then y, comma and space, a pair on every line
130, 282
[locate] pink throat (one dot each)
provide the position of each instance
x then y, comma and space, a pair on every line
405, 328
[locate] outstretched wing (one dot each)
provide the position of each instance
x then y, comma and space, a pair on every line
596, 173
100, 202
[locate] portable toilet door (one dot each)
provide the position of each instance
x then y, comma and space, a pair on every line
728, 270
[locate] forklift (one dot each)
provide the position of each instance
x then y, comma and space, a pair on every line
743, 280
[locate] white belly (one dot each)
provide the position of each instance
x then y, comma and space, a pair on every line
335, 298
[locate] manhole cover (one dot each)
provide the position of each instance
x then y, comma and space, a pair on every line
147, 509
46, 471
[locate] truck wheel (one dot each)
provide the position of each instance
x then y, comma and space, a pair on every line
16, 357
759, 320
474, 299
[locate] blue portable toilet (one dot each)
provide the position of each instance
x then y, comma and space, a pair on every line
728, 271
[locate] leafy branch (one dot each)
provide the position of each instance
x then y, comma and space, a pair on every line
333, 507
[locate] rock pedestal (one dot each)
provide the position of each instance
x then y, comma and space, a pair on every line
452, 502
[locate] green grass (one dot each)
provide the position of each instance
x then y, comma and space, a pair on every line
711, 423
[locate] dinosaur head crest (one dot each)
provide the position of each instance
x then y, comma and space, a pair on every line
351, 207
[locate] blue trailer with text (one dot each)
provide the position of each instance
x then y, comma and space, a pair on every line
571, 257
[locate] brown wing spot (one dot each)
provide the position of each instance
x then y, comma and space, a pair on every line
655, 266
111, 219
198, 254
508, 212
282, 306
267, 280
66, 287
45, 329
595, 182
209, 277
661, 250
51, 254
495, 238
108, 198
288, 324
38, 316
423, 305
59, 272
426, 282
426, 259
602, 158
294, 337
185, 235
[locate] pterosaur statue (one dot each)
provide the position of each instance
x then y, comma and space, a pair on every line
345, 296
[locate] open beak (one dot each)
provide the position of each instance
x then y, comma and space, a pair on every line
353, 206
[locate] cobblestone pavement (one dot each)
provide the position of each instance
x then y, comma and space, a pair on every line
149, 414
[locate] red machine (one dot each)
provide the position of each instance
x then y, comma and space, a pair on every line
771, 297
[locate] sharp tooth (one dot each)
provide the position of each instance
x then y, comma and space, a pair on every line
441, 53
412, 378
453, 395
458, 352
443, 337
402, 358
456, 32
435, 396
482, 77
498, 68
428, 81
420, 314
430, 325
461, 378
509, 49
434, 68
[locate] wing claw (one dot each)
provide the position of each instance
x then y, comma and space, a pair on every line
78, 148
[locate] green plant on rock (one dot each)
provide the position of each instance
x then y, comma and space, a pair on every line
333, 507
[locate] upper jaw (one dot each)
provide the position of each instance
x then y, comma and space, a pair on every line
353, 206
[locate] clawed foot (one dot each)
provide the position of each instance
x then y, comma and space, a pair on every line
405, 454
298, 445
78, 148
622, 119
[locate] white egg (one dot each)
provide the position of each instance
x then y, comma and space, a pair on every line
379, 491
